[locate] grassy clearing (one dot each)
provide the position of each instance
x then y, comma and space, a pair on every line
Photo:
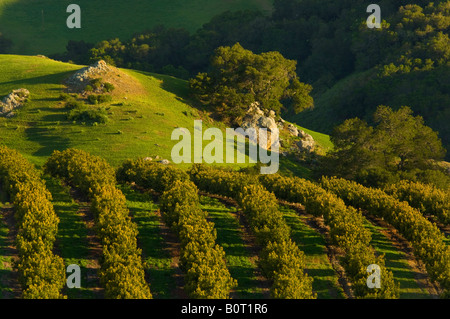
318, 265
71, 240
229, 236
290, 166
157, 260
321, 139
39, 27
397, 263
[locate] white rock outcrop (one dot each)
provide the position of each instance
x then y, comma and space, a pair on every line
82, 77
256, 119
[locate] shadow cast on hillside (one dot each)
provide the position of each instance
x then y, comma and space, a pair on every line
56, 78
173, 85
59, 115
49, 141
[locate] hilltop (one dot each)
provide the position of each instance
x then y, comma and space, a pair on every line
139, 123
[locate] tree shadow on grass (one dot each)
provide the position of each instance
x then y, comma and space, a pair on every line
49, 140
161, 282
57, 114
308, 240
56, 78
247, 282
6, 291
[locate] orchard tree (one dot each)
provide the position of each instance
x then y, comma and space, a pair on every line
238, 77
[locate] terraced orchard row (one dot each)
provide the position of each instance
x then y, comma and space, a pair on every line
122, 272
155, 231
41, 272
346, 225
202, 260
280, 259
427, 240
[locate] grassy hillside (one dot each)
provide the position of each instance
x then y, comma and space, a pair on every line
39, 27
140, 121
323, 116
139, 124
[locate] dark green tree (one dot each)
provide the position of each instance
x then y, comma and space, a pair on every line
238, 77
5, 44
111, 51
408, 142
399, 143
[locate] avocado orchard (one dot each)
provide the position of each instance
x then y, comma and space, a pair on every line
428, 242
346, 231
280, 259
202, 260
41, 272
122, 272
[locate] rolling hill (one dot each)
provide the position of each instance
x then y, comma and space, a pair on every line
39, 27
142, 114
140, 121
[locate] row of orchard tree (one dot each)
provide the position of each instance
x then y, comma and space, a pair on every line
42, 273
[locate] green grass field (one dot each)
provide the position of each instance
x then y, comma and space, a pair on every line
157, 260
71, 240
39, 27
318, 265
137, 126
397, 263
237, 254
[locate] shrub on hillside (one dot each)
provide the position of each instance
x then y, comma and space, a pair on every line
96, 83
99, 99
108, 87
83, 113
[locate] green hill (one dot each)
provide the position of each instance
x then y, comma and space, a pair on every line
39, 27
140, 122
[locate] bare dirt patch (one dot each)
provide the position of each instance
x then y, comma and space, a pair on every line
125, 85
